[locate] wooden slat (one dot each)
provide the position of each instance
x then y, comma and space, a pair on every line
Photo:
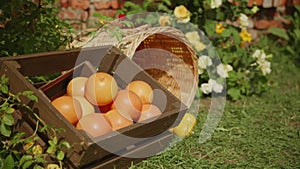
111, 60
49, 114
52, 62
138, 154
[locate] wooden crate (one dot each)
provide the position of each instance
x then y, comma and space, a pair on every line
86, 152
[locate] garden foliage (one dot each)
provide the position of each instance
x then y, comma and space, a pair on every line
28, 27
245, 66
20, 149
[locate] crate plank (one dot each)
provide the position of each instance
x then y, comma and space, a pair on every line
86, 150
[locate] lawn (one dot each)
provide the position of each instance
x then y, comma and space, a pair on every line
256, 132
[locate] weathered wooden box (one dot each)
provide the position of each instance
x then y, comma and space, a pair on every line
119, 149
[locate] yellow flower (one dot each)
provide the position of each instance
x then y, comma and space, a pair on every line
164, 20
182, 14
245, 35
219, 28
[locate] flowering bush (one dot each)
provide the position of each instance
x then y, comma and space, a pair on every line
218, 32
245, 66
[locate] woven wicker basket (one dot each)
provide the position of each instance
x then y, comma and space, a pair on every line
163, 52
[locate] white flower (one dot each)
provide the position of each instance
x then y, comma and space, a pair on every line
257, 53
200, 70
265, 67
199, 46
260, 55
212, 85
223, 70
216, 87
206, 88
263, 64
204, 61
244, 21
215, 3
192, 36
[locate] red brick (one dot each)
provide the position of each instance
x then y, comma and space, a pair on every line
265, 24
296, 2
70, 14
261, 24
278, 3
114, 4
250, 3
101, 5
84, 16
275, 24
64, 3
107, 12
121, 3
267, 3
234, 2
76, 26
81, 4
258, 2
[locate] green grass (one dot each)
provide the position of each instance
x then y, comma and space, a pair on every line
257, 132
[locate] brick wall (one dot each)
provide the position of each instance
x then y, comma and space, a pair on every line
80, 12
272, 12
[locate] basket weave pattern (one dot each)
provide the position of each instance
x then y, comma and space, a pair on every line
171, 60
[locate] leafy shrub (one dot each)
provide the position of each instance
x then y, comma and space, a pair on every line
26, 27
293, 36
20, 149
245, 66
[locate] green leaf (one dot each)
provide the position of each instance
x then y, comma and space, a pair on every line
9, 162
236, 36
226, 33
5, 130
4, 79
10, 110
44, 128
4, 89
27, 164
210, 27
297, 7
54, 141
167, 2
151, 19
51, 149
279, 32
38, 167
24, 158
60, 155
128, 24
220, 14
234, 93
66, 144
8, 119
30, 95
